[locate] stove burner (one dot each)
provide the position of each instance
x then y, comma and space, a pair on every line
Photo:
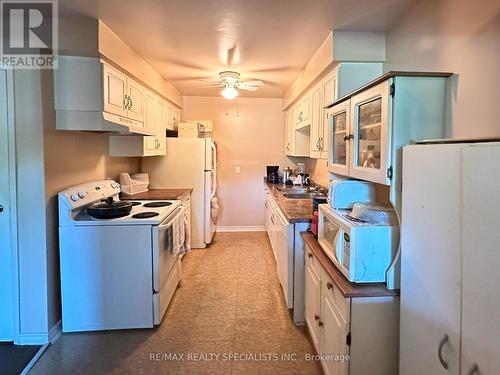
145, 215
136, 203
157, 204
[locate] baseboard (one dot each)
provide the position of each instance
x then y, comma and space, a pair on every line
55, 332
34, 359
32, 339
41, 338
249, 228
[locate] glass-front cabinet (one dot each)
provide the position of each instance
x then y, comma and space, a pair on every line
359, 136
370, 136
339, 129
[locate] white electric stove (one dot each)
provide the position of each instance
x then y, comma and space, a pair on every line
116, 273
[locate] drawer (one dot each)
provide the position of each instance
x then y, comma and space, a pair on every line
331, 292
312, 261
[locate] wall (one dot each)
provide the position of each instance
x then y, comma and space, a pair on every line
251, 141
70, 158
458, 36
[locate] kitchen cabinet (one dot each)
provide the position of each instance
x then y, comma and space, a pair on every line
369, 126
90, 94
296, 141
288, 249
122, 95
354, 332
450, 262
312, 125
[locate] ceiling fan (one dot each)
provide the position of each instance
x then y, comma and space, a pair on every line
230, 83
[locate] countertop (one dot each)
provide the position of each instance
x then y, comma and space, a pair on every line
348, 289
159, 194
295, 210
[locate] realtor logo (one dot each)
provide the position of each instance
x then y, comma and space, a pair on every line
29, 34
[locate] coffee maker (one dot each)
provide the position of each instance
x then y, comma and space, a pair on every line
272, 174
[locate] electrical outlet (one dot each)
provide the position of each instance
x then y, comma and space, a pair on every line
237, 170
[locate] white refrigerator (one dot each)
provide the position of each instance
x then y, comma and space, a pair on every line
190, 163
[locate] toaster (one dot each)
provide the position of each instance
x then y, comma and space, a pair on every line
344, 193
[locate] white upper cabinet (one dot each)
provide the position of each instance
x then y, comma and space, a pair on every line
369, 127
316, 120
115, 91
135, 93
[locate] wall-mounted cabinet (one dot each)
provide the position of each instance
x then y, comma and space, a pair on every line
310, 116
369, 127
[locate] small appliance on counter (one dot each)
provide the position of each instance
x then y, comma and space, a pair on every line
272, 174
362, 250
344, 193
137, 183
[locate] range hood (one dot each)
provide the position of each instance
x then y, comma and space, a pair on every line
99, 122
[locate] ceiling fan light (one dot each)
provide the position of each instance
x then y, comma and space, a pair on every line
229, 93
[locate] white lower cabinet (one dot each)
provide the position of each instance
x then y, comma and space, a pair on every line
352, 335
288, 250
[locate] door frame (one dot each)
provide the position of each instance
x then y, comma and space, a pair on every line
11, 142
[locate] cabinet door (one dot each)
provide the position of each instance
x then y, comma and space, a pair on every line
312, 301
150, 112
329, 94
306, 110
170, 118
284, 258
370, 116
339, 119
136, 93
290, 129
114, 91
481, 260
161, 117
334, 330
176, 117
316, 133
430, 260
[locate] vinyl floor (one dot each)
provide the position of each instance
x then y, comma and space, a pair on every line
228, 316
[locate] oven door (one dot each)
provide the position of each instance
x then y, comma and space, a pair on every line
163, 258
331, 236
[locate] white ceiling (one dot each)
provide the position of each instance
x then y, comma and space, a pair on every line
188, 41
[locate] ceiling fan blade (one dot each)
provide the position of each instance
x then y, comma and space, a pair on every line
252, 83
248, 88
210, 86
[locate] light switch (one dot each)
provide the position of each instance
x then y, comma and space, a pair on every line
237, 170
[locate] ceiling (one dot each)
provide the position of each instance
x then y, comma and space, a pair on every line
189, 41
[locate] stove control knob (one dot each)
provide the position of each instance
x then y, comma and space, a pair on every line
74, 197
82, 194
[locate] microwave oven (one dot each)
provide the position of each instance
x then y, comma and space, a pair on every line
361, 251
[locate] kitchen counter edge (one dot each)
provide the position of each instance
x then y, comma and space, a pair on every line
348, 289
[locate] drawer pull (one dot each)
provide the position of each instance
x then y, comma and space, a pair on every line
329, 285
320, 323
316, 317
309, 255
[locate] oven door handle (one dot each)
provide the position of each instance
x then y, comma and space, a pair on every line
167, 223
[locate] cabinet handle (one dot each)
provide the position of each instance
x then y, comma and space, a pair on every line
474, 369
130, 101
443, 341
329, 285
125, 102
316, 317
320, 323
310, 255
272, 219
317, 144
347, 137
321, 144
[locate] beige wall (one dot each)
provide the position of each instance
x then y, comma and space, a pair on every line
70, 158
458, 36
251, 141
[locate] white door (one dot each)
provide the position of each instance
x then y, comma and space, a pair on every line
334, 329
370, 117
481, 260
6, 260
430, 261
316, 123
136, 93
312, 300
115, 91
338, 125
